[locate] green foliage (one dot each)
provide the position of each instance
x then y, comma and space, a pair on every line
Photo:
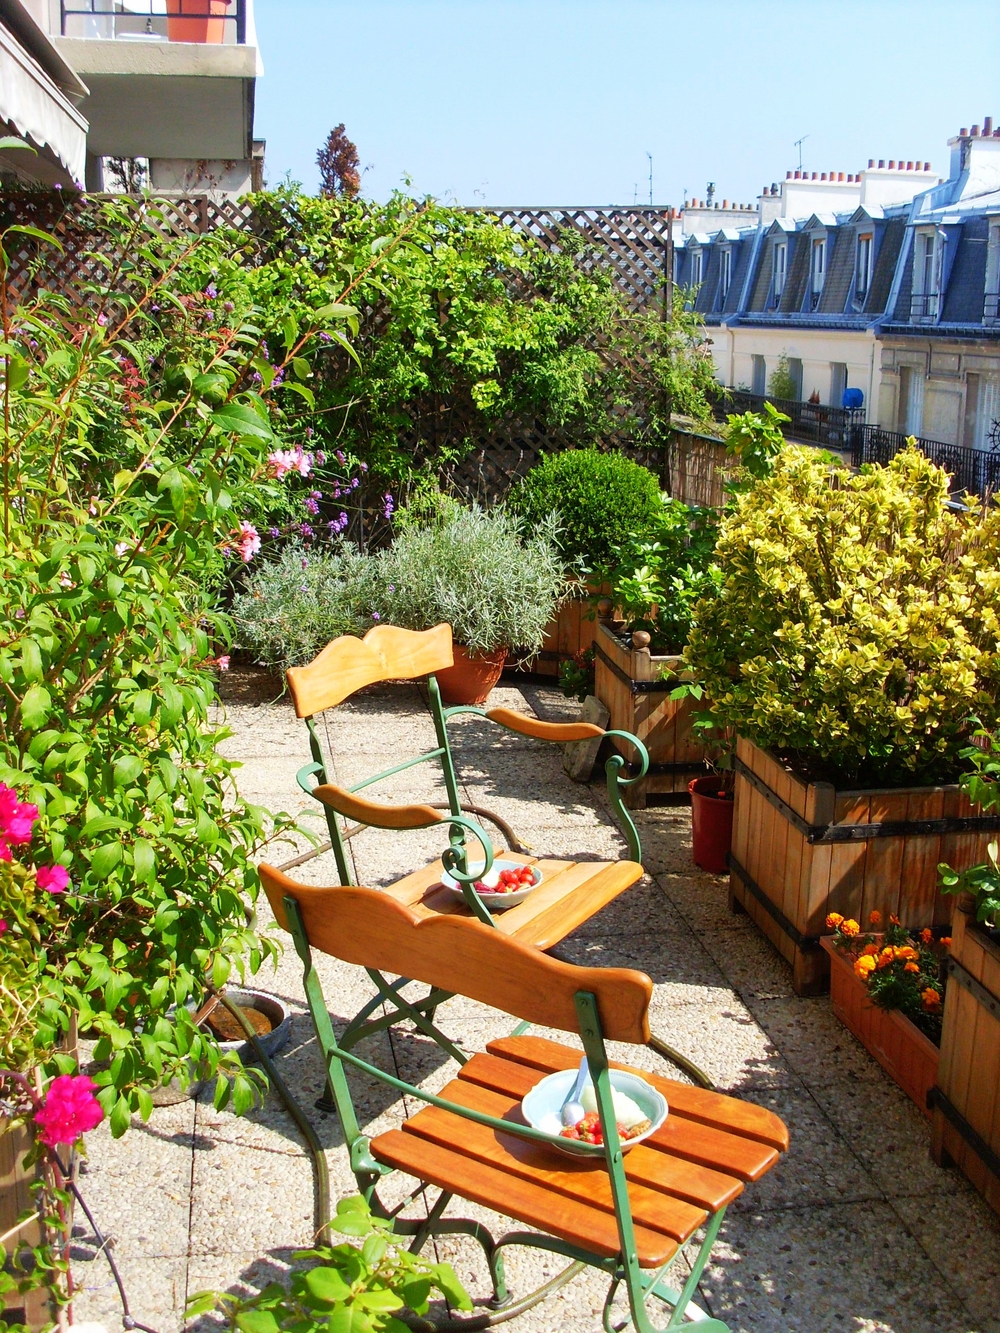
497, 583
348, 1289
136, 428
781, 384
576, 675
857, 623
982, 785
899, 970
657, 581
754, 440
293, 606
599, 499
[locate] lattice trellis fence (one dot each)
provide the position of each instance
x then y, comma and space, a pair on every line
634, 244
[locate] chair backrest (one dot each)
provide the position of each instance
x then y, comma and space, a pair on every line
348, 663
464, 956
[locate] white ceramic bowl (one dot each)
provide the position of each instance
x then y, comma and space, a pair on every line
496, 902
542, 1105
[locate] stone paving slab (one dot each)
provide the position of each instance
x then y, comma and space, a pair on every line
856, 1230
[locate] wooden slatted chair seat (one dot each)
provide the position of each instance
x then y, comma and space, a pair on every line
627, 1214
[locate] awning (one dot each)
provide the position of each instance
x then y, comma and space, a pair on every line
38, 110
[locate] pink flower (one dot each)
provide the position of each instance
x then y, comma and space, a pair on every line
121, 548
53, 879
16, 819
70, 1109
249, 542
3, 927
290, 460
222, 663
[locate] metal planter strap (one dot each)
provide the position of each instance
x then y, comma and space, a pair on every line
889, 828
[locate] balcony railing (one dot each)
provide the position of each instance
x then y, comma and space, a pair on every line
991, 308
976, 471
924, 305
214, 22
811, 422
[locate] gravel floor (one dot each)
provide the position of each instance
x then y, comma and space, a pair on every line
855, 1230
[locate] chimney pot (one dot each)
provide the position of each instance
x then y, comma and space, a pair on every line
881, 163
788, 176
725, 203
822, 176
927, 166
871, 163
963, 133
892, 164
814, 175
909, 166
840, 175
987, 126
774, 188
975, 131
797, 175
996, 134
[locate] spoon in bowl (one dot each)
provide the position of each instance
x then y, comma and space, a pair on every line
572, 1108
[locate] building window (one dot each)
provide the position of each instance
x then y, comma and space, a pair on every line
910, 416
926, 299
982, 412
991, 310
759, 381
795, 376
726, 274
838, 383
863, 267
817, 269
779, 270
696, 268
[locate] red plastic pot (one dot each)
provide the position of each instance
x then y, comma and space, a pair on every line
208, 23
472, 677
711, 824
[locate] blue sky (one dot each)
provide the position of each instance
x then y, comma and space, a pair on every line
559, 101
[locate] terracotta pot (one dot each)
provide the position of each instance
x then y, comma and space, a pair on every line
472, 677
711, 824
200, 29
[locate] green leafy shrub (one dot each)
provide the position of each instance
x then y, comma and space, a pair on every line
599, 498
781, 384
657, 581
982, 785
497, 585
753, 440
856, 628
349, 1289
292, 607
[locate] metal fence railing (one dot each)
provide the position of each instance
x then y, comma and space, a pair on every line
213, 22
976, 471
815, 423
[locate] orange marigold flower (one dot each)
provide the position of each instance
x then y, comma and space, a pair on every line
886, 956
912, 967
870, 949
850, 928
927, 935
864, 966
833, 920
931, 999
907, 951
875, 918
893, 919
946, 941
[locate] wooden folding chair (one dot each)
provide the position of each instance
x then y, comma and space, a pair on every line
572, 891
627, 1216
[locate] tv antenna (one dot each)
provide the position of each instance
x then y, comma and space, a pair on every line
798, 145
650, 156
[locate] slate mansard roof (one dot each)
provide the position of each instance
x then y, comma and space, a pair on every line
960, 212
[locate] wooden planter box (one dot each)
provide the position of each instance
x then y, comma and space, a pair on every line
801, 850
966, 1099
628, 682
570, 633
908, 1056
15, 1197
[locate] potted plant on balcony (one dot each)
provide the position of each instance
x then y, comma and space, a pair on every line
853, 634
496, 583
197, 20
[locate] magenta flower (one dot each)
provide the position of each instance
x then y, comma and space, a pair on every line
16, 820
70, 1109
3, 927
310, 506
53, 879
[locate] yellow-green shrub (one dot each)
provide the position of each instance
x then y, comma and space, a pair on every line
856, 628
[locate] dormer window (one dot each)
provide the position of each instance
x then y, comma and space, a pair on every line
817, 270
696, 267
926, 299
725, 273
863, 267
779, 270
991, 310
